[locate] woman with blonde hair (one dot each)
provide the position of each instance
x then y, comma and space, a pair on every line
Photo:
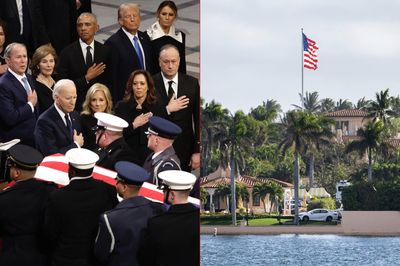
138, 105
98, 99
42, 66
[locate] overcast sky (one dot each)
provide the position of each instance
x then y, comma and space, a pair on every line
251, 50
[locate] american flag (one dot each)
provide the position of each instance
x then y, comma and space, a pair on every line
54, 168
310, 56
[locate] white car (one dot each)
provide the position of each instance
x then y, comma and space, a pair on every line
320, 215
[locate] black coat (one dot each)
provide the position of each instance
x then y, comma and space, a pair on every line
89, 135
45, 96
59, 22
172, 238
71, 220
21, 220
51, 134
125, 60
156, 45
35, 30
125, 225
118, 150
72, 65
136, 138
188, 142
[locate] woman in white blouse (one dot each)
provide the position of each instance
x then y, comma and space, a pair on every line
163, 32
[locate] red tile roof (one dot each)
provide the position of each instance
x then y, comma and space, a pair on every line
348, 113
248, 181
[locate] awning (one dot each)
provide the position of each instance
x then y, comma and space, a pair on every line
319, 192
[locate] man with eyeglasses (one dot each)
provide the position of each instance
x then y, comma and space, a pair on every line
22, 210
160, 137
121, 229
131, 48
110, 139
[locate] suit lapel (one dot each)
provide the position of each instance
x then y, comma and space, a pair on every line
161, 87
20, 89
59, 122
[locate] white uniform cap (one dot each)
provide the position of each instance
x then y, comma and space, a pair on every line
6, 145
81, 158
110, 122
177, 180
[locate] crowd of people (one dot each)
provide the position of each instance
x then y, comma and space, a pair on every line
126, 105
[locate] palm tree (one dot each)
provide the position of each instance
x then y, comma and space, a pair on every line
275, 195
362, 103
300, 127
327, 105
224, 190
319, 138
310, 101
262, 189
268, 111
381, 107
213, 116
343, 104
371, 137
242, 193
234, 143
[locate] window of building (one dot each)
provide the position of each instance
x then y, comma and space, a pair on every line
256, 200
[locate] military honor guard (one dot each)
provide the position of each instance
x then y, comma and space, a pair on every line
121, 229
160, 137
22, 210
173, 238
73, 212
110, 139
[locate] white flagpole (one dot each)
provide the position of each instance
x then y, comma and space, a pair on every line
302, 70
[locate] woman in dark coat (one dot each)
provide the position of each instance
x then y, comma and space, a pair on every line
42, 67
138, 105
163, 32
98, 99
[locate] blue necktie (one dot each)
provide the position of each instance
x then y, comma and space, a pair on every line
26, 85
138, 51
69, 126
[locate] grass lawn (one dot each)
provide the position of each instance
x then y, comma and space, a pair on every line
257, 221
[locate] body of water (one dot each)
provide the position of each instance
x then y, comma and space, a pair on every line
299, 250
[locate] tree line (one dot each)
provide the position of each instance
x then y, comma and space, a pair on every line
300, 143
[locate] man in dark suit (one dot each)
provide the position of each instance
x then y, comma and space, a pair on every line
22, 210
72, 215
173, 237
180, 94
121, 229
18, 99
58, 128
131, 48
24, 25
110, 139
85, 61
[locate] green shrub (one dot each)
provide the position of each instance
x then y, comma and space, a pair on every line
367, 196
325, 203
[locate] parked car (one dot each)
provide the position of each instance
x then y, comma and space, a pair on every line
320, 215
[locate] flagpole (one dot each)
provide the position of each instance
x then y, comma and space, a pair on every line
302, 70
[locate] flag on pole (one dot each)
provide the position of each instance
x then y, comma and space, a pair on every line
310, 56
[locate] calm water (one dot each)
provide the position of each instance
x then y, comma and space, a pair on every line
299, 250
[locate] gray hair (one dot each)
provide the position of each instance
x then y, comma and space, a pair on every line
10, 47
127, 5
168, 46
60, 85
87, 14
